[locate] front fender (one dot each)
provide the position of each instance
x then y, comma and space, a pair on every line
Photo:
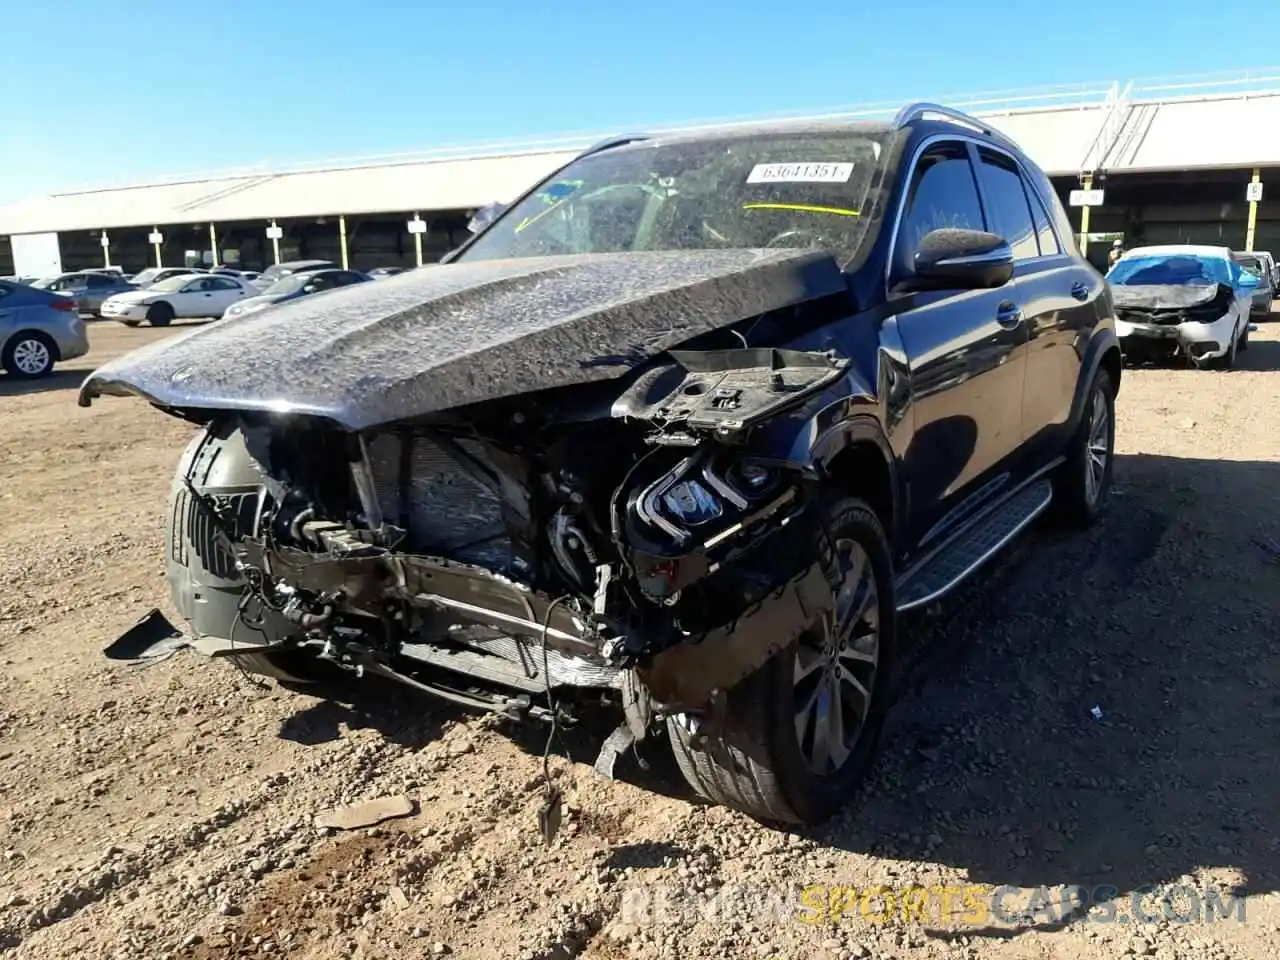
811, 434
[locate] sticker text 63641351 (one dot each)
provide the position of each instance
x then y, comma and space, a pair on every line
800, 173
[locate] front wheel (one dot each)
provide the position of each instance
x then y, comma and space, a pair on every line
160, 314
799, 734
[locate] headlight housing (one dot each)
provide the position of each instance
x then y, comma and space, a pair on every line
703, 496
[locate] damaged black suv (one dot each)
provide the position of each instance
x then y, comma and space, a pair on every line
687, 425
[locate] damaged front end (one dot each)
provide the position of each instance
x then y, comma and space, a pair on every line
1173, 319
637, 544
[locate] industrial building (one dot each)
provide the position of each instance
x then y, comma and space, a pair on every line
1152, 161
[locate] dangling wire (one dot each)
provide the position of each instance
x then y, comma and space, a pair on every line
551, 700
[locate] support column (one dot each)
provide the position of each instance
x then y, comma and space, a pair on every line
155, 232
106, 249
275, 240
1087, 184
342, 239
213, 244
417, 241
1253, 208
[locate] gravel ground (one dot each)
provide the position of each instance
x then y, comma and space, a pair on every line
170, 811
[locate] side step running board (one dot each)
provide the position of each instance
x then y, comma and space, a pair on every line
941, 572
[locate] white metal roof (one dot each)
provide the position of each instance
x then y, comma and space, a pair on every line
1223, 121
1201, 132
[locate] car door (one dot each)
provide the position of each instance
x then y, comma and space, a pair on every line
965, 354
223, 291
96, 290
8, 313
1058, 295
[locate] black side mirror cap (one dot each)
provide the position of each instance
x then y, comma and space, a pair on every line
957, 259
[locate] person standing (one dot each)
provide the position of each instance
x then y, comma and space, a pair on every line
1116, 252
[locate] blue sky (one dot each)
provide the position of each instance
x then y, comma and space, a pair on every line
94, 92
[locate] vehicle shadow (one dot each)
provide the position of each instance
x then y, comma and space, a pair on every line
401, 715
1162, 617
11, 386
1261, 355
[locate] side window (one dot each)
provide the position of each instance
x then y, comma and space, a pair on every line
221, 283
1044, 231
96, 281
942, 194
1007, 204
346, 278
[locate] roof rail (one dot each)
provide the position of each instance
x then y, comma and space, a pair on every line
918, 111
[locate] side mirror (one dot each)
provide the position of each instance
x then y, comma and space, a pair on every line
956, 259
1248, 281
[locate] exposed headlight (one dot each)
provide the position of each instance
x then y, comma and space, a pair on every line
703, 496
690, 503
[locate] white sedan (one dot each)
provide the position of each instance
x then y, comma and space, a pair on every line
181, 296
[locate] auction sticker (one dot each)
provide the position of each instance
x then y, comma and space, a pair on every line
800, 173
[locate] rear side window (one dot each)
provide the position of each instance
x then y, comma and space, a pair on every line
1044, 230
97, 281
1007, 204
942, 194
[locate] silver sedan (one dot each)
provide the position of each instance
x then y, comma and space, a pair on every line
37, 330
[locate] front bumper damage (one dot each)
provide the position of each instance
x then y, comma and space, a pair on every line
1193, 339
558, 645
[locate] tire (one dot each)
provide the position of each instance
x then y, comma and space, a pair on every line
1080, 489
131, 323
1243, 342
760, 762
160, 314
29, 355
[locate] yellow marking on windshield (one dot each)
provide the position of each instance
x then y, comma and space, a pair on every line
802, 208
530, 221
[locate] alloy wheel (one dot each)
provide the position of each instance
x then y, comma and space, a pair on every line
32, 357
1098, 447
835, 665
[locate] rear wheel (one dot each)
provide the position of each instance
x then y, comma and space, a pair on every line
1243, 342
29, 355
1082, 485
160, 314
799, 734
131, 323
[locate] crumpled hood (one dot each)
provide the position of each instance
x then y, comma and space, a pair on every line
1159, 296
429, 340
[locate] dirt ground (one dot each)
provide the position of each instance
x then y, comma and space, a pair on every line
170, 811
